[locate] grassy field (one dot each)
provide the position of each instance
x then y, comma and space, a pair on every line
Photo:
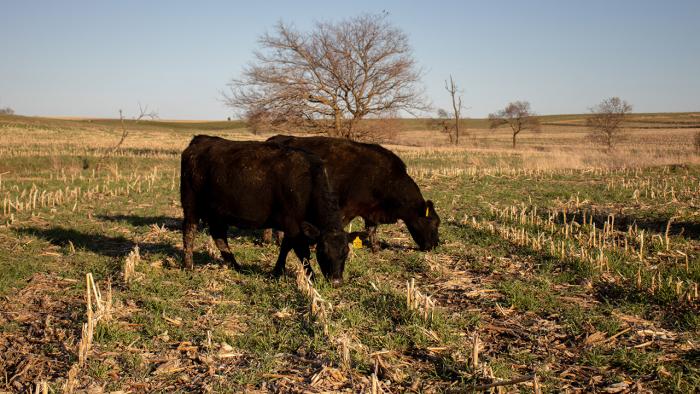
570, 267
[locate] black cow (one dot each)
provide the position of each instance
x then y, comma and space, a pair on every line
371, 181
259, 185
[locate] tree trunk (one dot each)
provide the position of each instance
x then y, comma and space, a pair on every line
457, 130
351, 124
338, 123
456, 105
514, 134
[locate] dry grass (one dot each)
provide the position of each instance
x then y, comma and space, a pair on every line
519, 292
557, 148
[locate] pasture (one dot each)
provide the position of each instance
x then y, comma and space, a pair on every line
561, 264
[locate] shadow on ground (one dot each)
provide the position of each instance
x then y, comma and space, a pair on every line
658, 224
175, 224
118, 246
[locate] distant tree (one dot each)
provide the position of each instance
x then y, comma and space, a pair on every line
329, 78
454, 91
443, 122
7, 111
518, 116
144, 113
606, 121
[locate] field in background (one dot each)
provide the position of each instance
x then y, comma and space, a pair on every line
652, 139
563, 142
558, 260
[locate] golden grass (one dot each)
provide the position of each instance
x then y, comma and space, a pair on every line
554, 147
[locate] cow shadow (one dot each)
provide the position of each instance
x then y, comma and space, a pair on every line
175, 224
394, 247
658, 224
687, 229
120, 246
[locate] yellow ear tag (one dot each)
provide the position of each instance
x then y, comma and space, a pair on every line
357, 243
427, 212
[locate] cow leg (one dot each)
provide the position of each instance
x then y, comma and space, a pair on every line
278, 236
267, 236
301, 249
189, 228
282, 258
371, 228
219, 232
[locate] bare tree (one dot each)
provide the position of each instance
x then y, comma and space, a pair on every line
144, 113
518, 116
7, 111
606, 121
329, 78
454, 92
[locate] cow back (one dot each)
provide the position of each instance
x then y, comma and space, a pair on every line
246, 184
369, 180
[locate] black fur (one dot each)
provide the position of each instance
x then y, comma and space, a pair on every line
260, 185
371, 181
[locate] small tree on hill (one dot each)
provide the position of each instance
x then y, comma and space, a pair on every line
454, 92
7, 111
518, 116
144, 113
606, 121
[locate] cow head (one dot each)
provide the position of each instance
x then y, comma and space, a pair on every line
331, 250
424, 227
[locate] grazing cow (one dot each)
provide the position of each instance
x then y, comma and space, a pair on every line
259, 185
371, 181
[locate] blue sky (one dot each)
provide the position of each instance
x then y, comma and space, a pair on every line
91, 58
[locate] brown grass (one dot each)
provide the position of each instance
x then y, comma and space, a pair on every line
555, 146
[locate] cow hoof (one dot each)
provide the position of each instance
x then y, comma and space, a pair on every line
277, 273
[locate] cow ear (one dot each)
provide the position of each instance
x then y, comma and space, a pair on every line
310, 231
363, 235
357, 238
429, 208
